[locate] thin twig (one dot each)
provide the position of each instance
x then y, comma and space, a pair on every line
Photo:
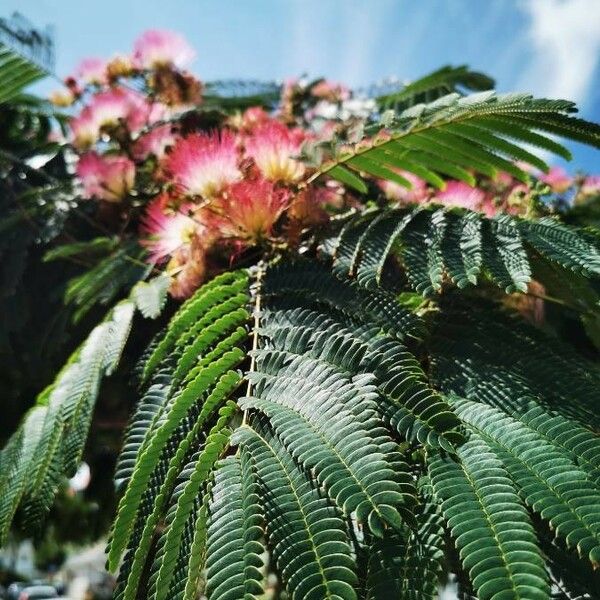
257, 304
553, 300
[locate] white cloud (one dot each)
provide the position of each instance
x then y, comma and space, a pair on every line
565, 40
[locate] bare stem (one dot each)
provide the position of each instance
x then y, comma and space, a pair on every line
256, 313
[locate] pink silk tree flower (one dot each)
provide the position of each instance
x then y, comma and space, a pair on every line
330, 91
84, 129
254, 117
273, 147
154, 143
165, 230
398, 193
458, 193
204, 164
108, 178
187, 269
590, 185
92, 71
249, 209
558, 180
120, 105
157, 48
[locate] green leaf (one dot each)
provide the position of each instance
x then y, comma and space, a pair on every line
473, 128
150, 297
491, 528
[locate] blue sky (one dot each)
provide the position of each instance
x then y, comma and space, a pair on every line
548, 47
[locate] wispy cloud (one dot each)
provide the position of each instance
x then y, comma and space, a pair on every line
565, 41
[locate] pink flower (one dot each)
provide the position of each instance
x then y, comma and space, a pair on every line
154, 143
187, 269
92, 70
558, 180
272, 147
204, 164
458, 193
504, 179
119, 105
84, 129
332, 195
253, 117
401, 194
330, 91
156, 48
107, 178
167, 231
249, 209
307, 207
591, 185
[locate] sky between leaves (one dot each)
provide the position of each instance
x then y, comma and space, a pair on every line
548, 47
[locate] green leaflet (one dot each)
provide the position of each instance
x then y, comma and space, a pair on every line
164, 476
148, 458
409, 564
562, 245
17, 71
504, 255
580, 444
194, 378
432, 86
150, 297
105, 282
440, 244
209, 295
548, 480
235, 532
306, 533
316, 283
366, 485
481, 353
63, 413
473, 127
17, 457
141, 422
182, 502
343, 413
406, 402
491, 528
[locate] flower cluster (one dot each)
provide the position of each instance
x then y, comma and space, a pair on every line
202, 193
201, 189
503, 194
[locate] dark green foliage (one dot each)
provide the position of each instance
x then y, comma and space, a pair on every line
330, 387
101, 284
306, 532
51, 439
408, 565
493, 532
16, 72
549, 480
453, 132
235, 531
481, 353
178, 432
441, 245
439, 83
